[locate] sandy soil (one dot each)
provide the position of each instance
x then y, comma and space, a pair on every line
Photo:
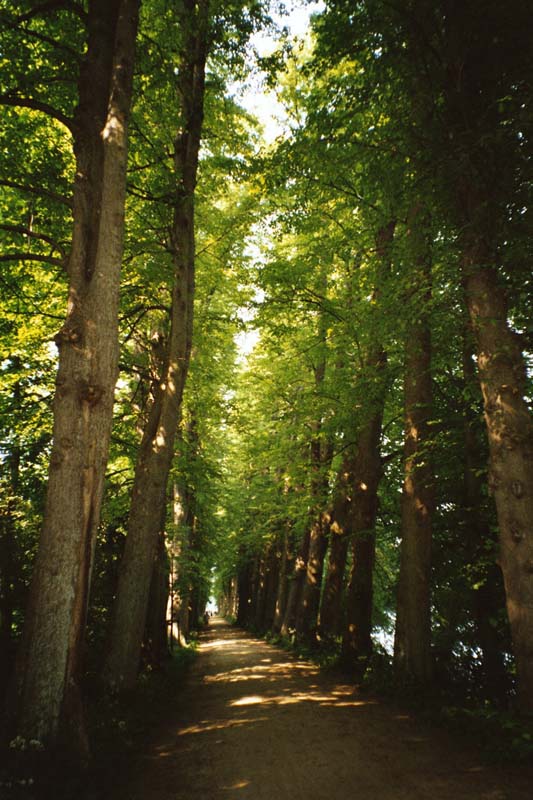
252, 722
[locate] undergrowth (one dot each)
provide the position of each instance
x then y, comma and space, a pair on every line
118, 725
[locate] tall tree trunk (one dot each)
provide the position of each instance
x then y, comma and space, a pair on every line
365, 474
479, 210
412, 644
47, 677
502, 377
157, 447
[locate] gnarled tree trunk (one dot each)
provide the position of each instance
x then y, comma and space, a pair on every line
48, 698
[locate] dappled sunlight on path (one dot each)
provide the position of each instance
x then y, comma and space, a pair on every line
253, 722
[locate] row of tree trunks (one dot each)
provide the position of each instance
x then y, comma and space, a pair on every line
47, 696
352, 520
157, 446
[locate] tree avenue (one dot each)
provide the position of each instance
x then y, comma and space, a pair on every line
293, 377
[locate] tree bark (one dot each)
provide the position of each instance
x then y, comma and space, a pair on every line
157, 446
412, 643
47, 696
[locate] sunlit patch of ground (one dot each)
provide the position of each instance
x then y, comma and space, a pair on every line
279, 671
299, 697
205, 727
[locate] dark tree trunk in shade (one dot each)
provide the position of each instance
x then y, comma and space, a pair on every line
412, 643
330, 624
244, 591
296, 585
156, 644
286, 570
256, 589
272, 582
260, 592
47, 696
340, 529
488, 597
365, 474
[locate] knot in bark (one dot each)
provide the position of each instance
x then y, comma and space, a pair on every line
67, 335
90, 393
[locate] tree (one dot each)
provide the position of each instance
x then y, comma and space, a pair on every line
48, 703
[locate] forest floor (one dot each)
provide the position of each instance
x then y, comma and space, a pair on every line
254, 722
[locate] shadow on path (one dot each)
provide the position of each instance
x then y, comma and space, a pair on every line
253, 723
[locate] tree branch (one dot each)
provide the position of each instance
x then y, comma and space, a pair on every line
10, 99
57, 262
23, 187
53, 5
33, 234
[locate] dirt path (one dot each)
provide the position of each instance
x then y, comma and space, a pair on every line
254, 723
